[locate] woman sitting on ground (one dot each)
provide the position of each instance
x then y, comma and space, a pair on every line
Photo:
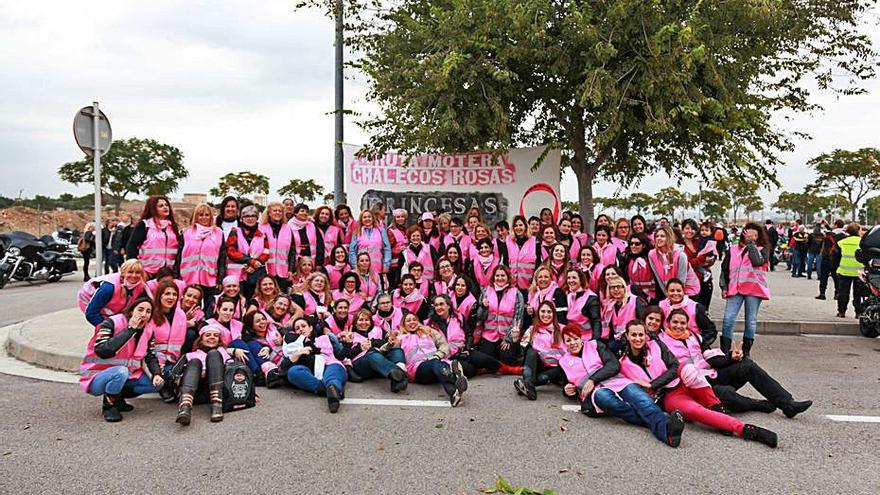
541, 364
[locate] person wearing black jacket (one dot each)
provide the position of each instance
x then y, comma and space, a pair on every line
88, 237
773, 237
371, 355
826, 253
813, 251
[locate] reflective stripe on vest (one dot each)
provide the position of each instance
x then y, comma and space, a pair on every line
849, 266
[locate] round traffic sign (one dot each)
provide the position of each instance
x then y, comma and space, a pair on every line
83, 131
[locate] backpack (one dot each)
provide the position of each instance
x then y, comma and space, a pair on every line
238, 387
82, 246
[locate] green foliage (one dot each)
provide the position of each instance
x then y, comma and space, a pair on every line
806, 205
571, 206
241, 184
668, 200
872, 206
329, 198
741, 194
853, 174
302, 191
714, 204
626, 88
504, 487
132, 166
640, 202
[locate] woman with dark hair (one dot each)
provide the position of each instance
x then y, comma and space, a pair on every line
541, 363
116, 356
313, 363
622, 233
247, 251
604, 247
534, 227
502, 311
635, 263
566, 237
370, 281
583, 304
588, 263
168, 327
154, 239
744, 281
545, 288
263, 342
668, 260
371, 238
336, 265
619, 306
430, 231
305, 238
578, 231
698, 316
558, 263
445, 277
328, 233
228, 217
344, 220
266, 290
455, 256
387, 316
457, 237
444, 319
371, 355
701, 256
417, 251
288, 204
350, 290
483, 262
546, 216
407, 297
522, 254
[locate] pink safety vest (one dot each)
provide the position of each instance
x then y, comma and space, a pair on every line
579, 368
482, 276
689, 306
131, 354
417, 349
200, 355
614, 320
463, 242
400, 244
442, 287
238, 313
424, 257
230, 333
279, 249
120, 296
576, 312
389, 324
311, 236
357, 338
664, 271
198, 259
355, 301
169, 337
369, 285
253, 249
522, 261
331, 238
745, 279
501, 314
371, 243
640, 275
454, 334
152, 285
312, 303
539, 296
272, 333
323, 343
593, 274
607, 253
334, 327
159, 249
542, 343
463, 310
334, 273
653, 369
400, 302
689, 354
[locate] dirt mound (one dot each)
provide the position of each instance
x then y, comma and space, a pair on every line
42, 222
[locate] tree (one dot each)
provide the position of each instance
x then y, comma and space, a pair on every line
625, 88
714, 204
872, 207
739, 192
751, 203
668, 200
241, 184
640, 202
302, 191
329, 198
570, 206
132, 166
854, 174
806, 205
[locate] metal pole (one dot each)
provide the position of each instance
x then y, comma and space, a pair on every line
96, 147
339, 183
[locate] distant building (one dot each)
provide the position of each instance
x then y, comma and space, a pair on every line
195, 198
260, 200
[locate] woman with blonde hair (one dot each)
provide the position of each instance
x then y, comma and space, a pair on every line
368, 237
87, 248
279, 236
202, 253
315, 297
105, 296
304, 266
668, 260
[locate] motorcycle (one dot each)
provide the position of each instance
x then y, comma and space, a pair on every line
28, 259
869, 255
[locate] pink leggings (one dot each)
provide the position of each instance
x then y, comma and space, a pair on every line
694, 403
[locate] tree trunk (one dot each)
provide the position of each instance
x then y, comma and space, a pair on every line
585, 171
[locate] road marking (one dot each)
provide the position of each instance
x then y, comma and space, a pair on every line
571, 408
397, 402
854, 419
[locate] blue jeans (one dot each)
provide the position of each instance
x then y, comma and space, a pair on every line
797, 263
111, 381
302, 378
375, 364
635, 406
814, 263
734, 303
254, 361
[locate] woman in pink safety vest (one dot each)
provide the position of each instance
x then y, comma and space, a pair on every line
371, 355
422, 285
618, 308
443, 283
545, 288
483, 263
650, 365
541, 363
202, 379
444, 319
593, 378
698, 317
426, 352
622, 233
247, 251
202, 253
191, 305
340, 318
430, 232
397, 238
454, 254
116, 356
316, 297
105, 296
409, 298
605, 249
168, 327
583, 305
635, 261
638, 225
480, 232
328, 233
278, 237
370, 281
313, 362
264, 344
337, 265
305, 236
457, 237
371, 239
345, 222
522, 254
267, 290
558, 263
387, 316
303, 267
350, 290
668, 260
501, 311
417, 251
154, 238
578, 232
565, 236
744, 282
230, 289
463, 304
588, 263
733, 372
548, 240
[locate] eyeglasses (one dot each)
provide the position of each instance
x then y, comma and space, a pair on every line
249, 216
634, 244
613, 287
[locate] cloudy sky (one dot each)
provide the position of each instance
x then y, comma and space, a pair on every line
236, 85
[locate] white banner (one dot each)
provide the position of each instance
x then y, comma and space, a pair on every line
501, 186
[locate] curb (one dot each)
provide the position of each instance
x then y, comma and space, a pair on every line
775, 327
19, 346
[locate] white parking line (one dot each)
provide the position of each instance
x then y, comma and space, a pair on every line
854, 419
571, 408
397, 402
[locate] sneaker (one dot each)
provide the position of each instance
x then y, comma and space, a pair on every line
758, 434
455, 398
332, 398
674, 428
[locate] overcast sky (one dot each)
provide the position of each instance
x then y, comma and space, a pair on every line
236, 85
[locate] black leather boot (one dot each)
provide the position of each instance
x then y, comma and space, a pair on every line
526, 388
274, 378
110, 410
332, 398
725, 345
794, 408
185, 409
399, 380
188, 386
758, 434
216, 391
747, 346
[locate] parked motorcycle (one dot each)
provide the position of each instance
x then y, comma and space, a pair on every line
28, 259
869, 255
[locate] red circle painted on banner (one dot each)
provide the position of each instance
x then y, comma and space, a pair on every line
541, 187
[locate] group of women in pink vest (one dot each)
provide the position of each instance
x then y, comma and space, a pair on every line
314, 299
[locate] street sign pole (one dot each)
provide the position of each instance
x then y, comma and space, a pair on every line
99, 226
338, 182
